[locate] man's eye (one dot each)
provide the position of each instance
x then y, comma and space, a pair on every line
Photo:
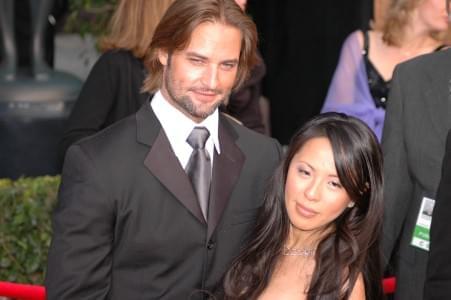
196, 61
228, 66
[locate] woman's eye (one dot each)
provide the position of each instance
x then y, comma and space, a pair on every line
335, 184
303, 172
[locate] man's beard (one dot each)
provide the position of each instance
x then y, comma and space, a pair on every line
186, 103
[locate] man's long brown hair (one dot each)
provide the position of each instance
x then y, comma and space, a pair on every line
174, 31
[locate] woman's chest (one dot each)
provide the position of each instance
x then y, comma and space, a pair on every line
290, 280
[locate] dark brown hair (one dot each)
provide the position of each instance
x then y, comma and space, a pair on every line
351, 247
174, 31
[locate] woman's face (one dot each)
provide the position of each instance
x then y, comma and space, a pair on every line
433, 14
314, 196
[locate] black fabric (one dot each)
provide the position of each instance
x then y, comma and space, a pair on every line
379, 88
300, 42
110, 93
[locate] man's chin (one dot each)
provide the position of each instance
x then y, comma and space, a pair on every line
203, 114
205, 101
207, 108
198, 110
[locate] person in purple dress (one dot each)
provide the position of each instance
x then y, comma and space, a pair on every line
362, 78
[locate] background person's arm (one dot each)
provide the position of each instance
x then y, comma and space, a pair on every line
97, 97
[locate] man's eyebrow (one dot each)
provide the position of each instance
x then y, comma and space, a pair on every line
194, 54
197, 55
230, 61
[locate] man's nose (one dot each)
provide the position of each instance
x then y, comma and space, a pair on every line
211, 77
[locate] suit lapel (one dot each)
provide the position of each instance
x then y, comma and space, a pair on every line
164, 165
162, 162
226, 171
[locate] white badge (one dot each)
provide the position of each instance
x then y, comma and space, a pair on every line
420, 237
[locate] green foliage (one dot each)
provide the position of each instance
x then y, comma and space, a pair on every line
25, 227
89, 16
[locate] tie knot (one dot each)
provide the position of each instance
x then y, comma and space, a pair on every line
198, 137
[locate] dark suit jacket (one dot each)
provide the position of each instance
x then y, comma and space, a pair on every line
438, 275
413, 141
128, 224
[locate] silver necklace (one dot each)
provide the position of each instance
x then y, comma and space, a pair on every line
306, 252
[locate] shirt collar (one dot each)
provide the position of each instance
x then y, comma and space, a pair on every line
178, 126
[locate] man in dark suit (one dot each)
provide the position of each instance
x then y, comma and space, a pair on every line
438, 275
413, 141
141, 213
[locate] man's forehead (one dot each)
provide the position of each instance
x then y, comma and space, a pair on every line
214, 38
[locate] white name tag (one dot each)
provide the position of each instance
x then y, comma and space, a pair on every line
420, 237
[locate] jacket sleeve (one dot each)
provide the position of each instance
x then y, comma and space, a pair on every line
438, 275
398, 184
80, 255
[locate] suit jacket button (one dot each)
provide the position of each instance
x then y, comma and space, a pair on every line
210, 245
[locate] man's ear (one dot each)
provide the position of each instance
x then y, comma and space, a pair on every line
163, 57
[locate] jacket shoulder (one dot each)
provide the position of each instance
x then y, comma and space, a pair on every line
431, 62
112, 138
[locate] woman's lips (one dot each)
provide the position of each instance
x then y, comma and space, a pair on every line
305, 212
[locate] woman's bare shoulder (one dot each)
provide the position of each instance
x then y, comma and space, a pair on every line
358, 292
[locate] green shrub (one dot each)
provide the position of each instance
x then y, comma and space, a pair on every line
25, 227
89, 16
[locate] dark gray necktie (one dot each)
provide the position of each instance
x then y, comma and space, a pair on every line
199, 166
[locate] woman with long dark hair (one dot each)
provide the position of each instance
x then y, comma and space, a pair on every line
318, 234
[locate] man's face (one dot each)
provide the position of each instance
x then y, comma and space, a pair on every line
198, 79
